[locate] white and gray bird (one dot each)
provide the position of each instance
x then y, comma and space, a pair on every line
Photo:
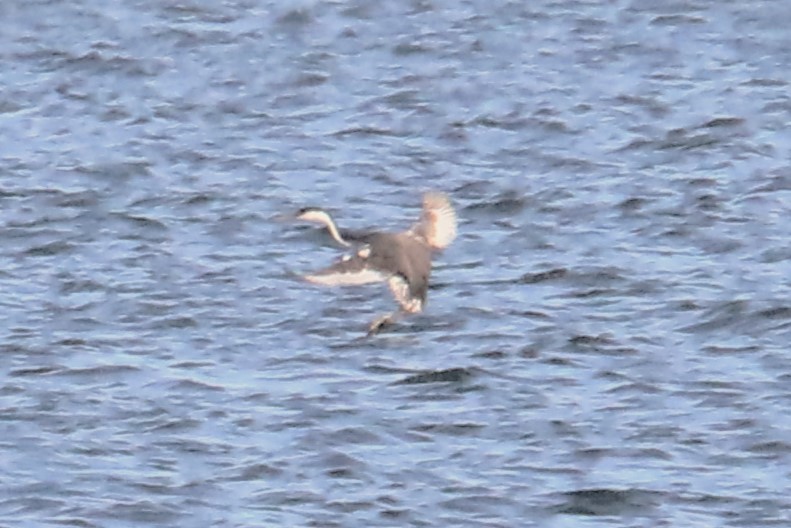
403, 260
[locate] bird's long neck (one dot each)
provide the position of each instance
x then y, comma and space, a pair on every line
332, 227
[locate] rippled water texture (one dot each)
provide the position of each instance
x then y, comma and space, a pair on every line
606, 343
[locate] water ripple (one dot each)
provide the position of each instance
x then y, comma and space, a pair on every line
605, 342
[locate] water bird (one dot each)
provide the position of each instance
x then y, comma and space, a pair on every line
403, 260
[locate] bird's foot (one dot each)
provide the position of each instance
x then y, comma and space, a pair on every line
379, 323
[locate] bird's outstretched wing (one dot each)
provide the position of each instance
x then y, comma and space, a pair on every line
437, 224
350, 270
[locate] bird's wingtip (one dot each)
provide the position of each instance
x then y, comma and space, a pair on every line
439, 223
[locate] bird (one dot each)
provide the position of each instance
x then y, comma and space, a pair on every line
402, 260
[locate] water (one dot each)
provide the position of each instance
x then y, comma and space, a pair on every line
606, 344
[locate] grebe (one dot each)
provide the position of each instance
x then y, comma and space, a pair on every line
403, 259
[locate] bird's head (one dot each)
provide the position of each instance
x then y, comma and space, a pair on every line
314, 214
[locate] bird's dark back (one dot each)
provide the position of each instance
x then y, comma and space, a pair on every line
399, 253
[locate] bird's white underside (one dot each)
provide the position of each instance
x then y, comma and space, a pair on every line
400, 289
366, 276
